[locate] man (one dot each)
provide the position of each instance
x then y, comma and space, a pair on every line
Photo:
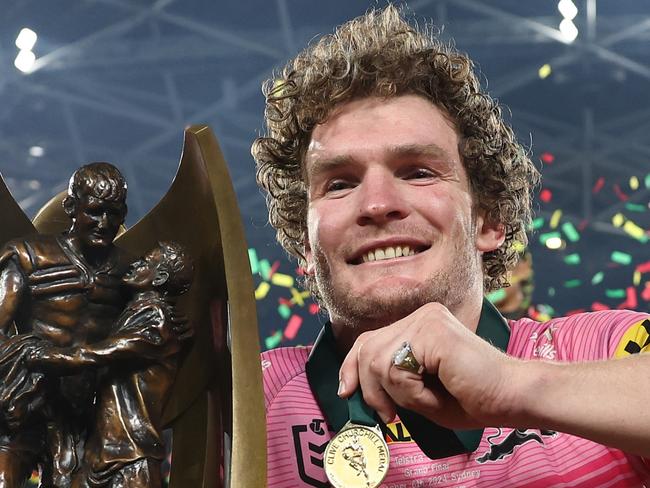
393, 179
65, 290
125, 446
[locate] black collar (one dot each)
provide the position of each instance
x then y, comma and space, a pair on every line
435, 441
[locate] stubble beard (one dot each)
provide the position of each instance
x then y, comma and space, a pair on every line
449, 286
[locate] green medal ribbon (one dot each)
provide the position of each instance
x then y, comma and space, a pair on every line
435, 441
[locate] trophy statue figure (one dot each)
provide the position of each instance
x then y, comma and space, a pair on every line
99, 352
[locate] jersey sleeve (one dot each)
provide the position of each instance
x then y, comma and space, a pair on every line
279, 367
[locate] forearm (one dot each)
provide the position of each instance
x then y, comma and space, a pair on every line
604, 401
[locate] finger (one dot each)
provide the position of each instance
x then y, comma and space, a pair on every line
349, 370
373, 369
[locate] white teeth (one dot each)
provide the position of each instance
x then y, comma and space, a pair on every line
388, 253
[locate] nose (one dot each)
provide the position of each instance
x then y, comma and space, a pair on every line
381, 199
103, 220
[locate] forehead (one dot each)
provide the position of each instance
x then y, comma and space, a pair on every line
374, 126
97, 203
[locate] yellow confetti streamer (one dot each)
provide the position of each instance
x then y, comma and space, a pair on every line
555, 219
634, 230
634, 183
637, 278
282, 280
297, 297
262, 290
618, 219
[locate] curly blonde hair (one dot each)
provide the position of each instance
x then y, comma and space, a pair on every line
381, 54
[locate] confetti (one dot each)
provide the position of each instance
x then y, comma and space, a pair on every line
547, 157
597, 306
280, 279
545, 195
284, 311
636, 278
621, 258
634, 183
645, 294
273, 341
555, 219
572, 283
496, 295
599, 185
265, 269
635, 231
643, 267
570, 232
618, 220
619, 193
548, 235
538, 223
314, 308
297, 297
619, 293
262, 290
293, 326
252, 258
647, 180
572, 259
598, 278
635, 207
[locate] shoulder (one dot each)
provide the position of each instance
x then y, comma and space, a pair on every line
280, 367
26, 250
582, 336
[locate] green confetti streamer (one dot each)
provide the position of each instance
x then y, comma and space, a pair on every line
496, 295
570, 231
572, 283
538, 223
274, 340
265, 269
284, 311
252, 258
598, 278
647, 180
551, 292
635, 207
572, 259
621, 257
546, 308
618, 293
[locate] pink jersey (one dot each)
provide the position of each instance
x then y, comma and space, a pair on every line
298, 433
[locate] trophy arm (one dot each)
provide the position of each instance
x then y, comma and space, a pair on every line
218, 388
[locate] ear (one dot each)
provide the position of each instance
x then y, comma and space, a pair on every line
309, 259
160, 278
489, 236
69, 206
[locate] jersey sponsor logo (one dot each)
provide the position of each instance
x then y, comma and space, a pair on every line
310, 441
635, 340
507, 446
396, 432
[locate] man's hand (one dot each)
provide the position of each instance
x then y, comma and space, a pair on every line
466, 383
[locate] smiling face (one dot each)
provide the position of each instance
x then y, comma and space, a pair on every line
390, 217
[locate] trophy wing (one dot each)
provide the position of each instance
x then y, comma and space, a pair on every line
14, 221
218, 388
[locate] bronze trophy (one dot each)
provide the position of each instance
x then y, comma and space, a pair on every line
100, 350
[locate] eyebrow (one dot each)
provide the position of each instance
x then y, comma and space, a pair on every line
327, 164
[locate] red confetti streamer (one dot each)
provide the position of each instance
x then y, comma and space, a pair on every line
645, 294
577, 310
619, 193
597, 306
274, 268
285, 301
293, 326
643, 267
313, 308
631, 301
600, 182
547, 158
545, 195
583, 225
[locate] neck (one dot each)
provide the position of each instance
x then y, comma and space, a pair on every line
467, 313
94, 256
145, 295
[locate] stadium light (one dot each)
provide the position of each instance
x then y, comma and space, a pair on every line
26, 39
24, 61
568, 9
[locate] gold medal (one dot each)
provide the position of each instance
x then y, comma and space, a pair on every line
357, 456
